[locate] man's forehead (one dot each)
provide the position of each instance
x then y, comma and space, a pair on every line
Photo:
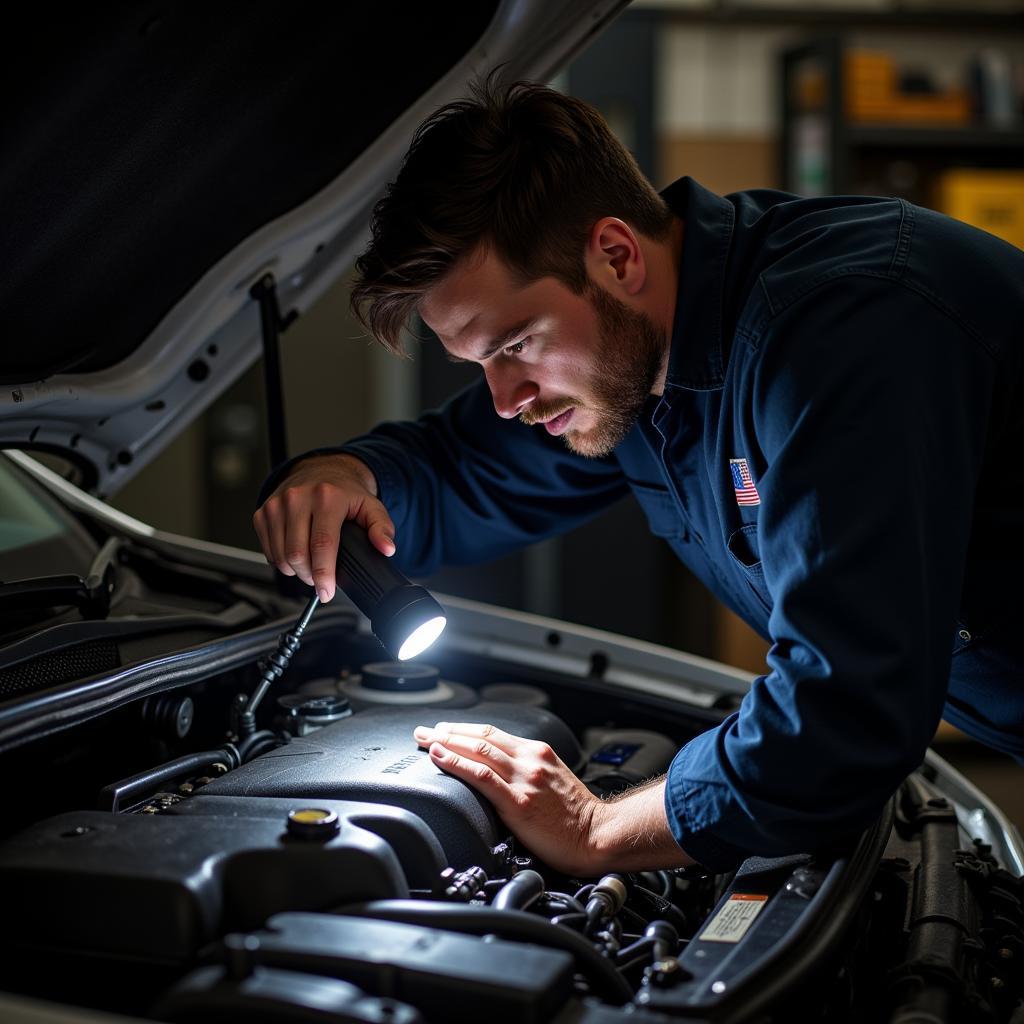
471, 298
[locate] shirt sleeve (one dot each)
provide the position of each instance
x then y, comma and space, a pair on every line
463, 485
870, 405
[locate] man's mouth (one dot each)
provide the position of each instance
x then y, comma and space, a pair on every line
558, 424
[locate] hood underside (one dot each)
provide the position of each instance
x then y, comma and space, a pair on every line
163, 157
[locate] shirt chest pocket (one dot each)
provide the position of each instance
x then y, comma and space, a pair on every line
745, 550
662, 515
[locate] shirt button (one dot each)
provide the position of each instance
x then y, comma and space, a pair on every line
964, 635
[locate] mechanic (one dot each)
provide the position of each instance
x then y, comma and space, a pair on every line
817, 401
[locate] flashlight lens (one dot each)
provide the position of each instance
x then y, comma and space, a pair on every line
422, 637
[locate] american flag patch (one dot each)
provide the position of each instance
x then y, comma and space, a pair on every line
743, 485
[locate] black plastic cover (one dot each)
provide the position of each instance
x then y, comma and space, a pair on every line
373, 757
449, 977
211, 995
418, 852
157, 888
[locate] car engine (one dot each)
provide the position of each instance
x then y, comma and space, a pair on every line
323, 868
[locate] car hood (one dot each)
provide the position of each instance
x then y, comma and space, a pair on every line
164, 157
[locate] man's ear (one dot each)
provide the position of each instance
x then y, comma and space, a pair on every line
615, 258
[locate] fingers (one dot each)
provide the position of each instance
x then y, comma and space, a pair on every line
324, 537
272, 518
538, 797
374, 518
479, 750
259, 524
442, 732
296, 536
299, 525
382, 535
479, 775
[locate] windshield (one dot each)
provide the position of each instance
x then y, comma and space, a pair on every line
37, 536
24, 519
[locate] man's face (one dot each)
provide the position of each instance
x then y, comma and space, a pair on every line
581, 365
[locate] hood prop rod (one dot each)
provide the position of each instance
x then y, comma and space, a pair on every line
273, 325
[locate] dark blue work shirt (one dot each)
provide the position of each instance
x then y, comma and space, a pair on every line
834, 455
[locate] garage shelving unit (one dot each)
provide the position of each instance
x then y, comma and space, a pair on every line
823, 152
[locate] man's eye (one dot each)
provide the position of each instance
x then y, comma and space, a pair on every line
516, 347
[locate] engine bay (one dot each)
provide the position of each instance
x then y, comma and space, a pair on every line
159, 861
328, 846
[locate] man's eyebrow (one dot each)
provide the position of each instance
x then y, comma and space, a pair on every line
506, 338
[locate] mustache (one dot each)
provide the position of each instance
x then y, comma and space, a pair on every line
540, 413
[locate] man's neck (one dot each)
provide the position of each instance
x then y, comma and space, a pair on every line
666, 259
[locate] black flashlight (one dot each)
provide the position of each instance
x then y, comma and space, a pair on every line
404, 617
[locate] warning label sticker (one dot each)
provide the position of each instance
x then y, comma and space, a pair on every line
730, 924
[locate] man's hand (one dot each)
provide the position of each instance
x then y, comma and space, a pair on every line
299, 525
549, 810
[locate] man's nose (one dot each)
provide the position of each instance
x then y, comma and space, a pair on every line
511, 393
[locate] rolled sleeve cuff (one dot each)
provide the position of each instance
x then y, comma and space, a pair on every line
696, 798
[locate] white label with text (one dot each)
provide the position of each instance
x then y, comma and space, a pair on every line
730, 924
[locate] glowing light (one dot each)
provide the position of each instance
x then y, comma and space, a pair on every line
422, 637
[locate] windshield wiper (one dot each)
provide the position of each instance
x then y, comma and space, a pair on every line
90, 594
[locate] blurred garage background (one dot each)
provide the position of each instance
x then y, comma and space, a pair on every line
916, 98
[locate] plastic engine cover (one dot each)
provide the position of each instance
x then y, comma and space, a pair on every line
373, 757
158, 888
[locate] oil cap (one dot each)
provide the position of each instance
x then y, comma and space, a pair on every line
313, 823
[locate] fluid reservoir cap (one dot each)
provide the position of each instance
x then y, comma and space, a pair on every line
400, 677
313, 823
319, 709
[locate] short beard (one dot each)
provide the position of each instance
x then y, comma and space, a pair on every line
627, 362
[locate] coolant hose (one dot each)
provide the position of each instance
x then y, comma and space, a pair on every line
519, 891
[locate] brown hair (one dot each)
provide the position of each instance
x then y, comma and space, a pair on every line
522, 168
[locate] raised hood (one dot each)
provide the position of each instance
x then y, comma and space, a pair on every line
160, 158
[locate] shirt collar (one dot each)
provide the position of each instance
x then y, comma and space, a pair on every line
697, 355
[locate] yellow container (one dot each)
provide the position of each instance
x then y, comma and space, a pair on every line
873, 95
990, 200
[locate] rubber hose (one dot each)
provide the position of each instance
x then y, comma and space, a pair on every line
643, 945
256, 744
137, 787
569, 901
519, 892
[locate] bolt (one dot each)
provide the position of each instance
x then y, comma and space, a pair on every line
997, 983
666, 972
